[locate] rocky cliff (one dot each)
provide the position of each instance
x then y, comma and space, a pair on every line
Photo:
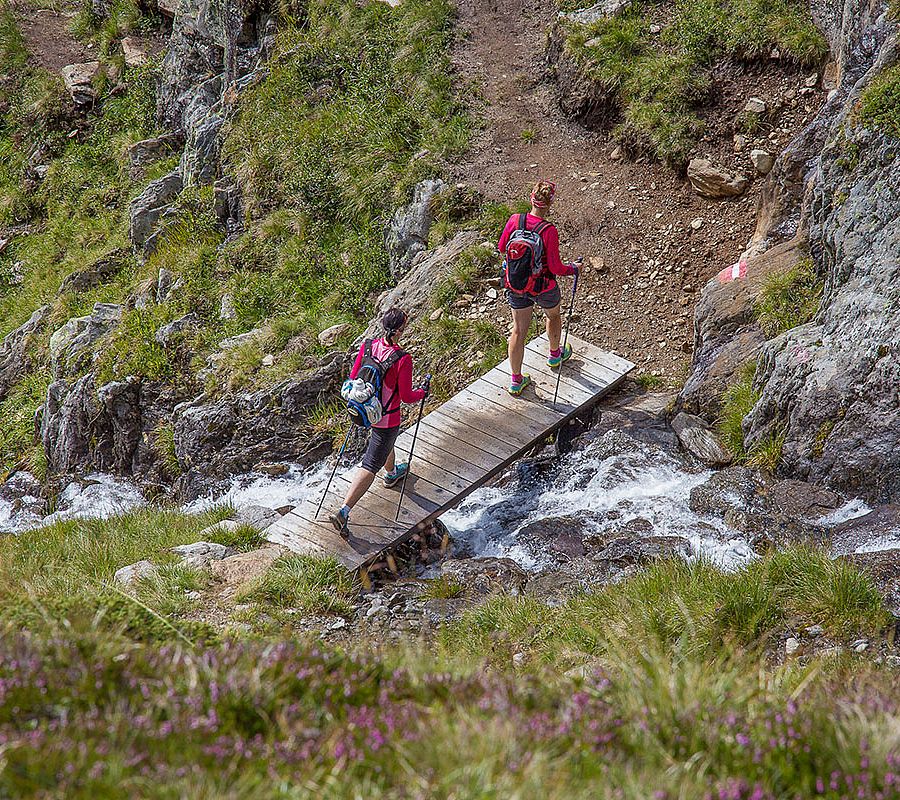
828, 388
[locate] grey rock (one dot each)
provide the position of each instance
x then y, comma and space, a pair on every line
413, 292
259, 517
143, 154
223, 437
200, 161
200, 554
72, 342
483, 576
814, 630
860, 645
700, 440
880, 525
715, 182
79, 81
756, 105
770, 511
148, 207
239, 570
598, 11
331, 336
100, 272
164, 284
166, 333
134, 51
791, 646
15, 351
407, 233
726, 333
644, 550
762, 160
228, 205
227, 311
128, 576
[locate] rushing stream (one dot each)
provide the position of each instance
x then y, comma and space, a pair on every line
614, 484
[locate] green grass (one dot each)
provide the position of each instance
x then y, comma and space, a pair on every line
468, 270
17, 419
766, 454
648, 381
305, 584
879, 106
737, 402
676, 606
789, 299
443, 588
660, 83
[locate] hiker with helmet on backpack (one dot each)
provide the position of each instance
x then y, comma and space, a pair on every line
530, 245
380, 381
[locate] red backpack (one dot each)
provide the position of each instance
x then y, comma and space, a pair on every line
524, 271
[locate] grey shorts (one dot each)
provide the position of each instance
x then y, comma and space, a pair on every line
381, 442
545, 300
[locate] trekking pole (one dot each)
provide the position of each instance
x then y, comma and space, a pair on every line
337, 462
413, 445
566, 337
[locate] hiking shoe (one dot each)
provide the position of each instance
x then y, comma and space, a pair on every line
339, 520
558, 361
396, 475
515, 389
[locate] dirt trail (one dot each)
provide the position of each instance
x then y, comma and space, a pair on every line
624, 213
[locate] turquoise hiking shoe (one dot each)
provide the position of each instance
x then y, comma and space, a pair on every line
515, 389
396, 475
561, 359
339, 520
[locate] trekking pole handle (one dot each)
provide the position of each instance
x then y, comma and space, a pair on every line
427, 385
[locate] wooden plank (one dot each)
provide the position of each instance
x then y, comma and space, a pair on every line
481, 391
379, 527
491, 424
475, 456
586, 351
544, 383
459, 468
389, 499
475, 438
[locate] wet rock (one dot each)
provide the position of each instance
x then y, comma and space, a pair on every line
771, 512
79, 81
483, 576
871, 530
558, 536
147, 208
762, 160
331, 336
644, 550
23, 492
239, 570
727, 335
642, 417
128, 576
15, 358
166, 334
147, 152
97, 274
699, 439
715, 182
883, 566
200, 554
223, 437
413, 292
72, 343
407, 233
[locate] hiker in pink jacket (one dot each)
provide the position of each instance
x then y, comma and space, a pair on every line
530, 246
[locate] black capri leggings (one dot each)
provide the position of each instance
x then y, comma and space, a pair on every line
381, 442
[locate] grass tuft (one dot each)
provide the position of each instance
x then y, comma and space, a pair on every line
737, 402
789, 299
879, 106
306, 584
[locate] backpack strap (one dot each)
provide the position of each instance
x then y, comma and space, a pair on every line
392, 360
523, 222
367, 348
541, 227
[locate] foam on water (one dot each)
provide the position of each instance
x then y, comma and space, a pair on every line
294, 487
608, 492
850, 510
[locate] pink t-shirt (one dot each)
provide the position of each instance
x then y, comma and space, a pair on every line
397, 386
550, 238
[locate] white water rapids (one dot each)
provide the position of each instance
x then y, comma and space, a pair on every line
606, 488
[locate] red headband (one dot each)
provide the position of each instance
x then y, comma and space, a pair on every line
541, 203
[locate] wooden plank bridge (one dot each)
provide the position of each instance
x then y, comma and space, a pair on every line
461, 445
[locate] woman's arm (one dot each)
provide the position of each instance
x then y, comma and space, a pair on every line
551, 250
404, 381
507, 232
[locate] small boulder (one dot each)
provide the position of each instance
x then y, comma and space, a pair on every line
148, 207
715, 182
129, 575
142, 154
486, 575
166, 333
791, 646
762, 160
134, 51
259, 517
200, 554
79, 81
331, 336
756, 105
699, 439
